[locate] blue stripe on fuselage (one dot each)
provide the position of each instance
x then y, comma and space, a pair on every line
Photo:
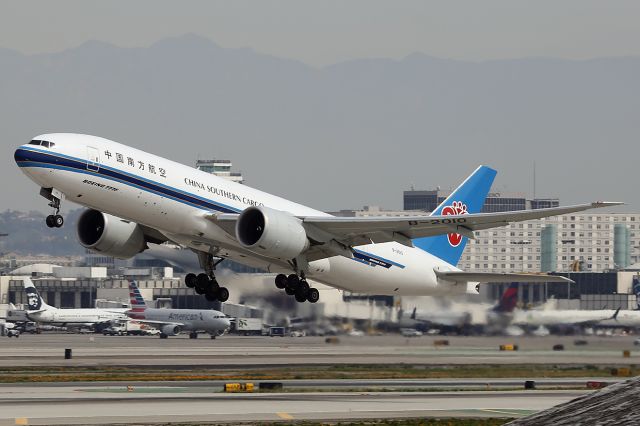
37, 158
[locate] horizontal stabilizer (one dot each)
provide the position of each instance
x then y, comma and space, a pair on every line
485, 277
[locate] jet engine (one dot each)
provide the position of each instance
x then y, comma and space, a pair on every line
110, 235
270, 232
171, 329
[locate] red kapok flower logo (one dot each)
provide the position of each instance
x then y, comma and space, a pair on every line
456, 208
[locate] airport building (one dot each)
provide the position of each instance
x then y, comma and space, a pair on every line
221, 168
594, 242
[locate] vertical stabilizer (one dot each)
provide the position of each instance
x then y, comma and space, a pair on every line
636, 291
138, 305
34, 301
508, 300
467, 198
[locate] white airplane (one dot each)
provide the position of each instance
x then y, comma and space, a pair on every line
135, 198
173, 321
38, 311
563, 317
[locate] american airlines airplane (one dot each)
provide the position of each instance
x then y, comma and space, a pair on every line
134, 198
173, 321
39, 311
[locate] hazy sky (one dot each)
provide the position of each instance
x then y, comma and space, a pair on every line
590, 132
324, 32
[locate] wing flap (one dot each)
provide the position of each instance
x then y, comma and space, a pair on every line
484, 277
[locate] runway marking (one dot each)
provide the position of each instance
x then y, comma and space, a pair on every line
511, 413
22, 421
285, 416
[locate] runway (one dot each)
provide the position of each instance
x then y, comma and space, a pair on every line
72, 404
230, 351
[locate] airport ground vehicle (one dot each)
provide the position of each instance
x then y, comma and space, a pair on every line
410, 332
277, 331
249, 326
136, 198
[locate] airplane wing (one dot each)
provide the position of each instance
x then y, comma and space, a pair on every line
485, 277
156, 322
332, 235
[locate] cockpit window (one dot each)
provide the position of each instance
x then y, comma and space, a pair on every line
46, 144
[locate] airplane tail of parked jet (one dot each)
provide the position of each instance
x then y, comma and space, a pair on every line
34, 301
138, 305
508, 300
636, 291
469, 197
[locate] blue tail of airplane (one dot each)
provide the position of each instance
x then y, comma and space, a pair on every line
636, 291
467, 198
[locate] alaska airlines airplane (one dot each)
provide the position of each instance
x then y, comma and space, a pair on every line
135, 198
174, 321
39, 311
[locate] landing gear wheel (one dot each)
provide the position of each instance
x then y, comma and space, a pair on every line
211, 296
313, 295
303, 288
223, 294
193, 335
50, 221
292, 281
289, 291
190, 280
200, 290
202, 281
281, 281
300, 297
58, 221
163, 336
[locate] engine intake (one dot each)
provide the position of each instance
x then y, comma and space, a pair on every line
110, 235
270, 232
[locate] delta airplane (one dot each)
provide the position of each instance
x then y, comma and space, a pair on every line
135, 198
38, 311
461, 315
173, 321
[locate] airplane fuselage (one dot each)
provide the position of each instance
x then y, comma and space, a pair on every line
209, 321
77, 317
176, 199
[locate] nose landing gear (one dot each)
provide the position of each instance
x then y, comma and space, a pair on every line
55, 197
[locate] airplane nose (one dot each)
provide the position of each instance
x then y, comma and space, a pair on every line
21, 155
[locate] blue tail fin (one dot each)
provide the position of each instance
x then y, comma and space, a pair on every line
467, 198
636, 291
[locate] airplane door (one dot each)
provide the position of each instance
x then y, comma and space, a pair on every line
93, 159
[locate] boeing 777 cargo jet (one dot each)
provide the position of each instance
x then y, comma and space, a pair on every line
135, 198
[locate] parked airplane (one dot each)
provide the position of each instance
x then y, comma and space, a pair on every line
38, 311
460, 316
174, 321
135, 198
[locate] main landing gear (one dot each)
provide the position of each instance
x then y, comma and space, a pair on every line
54, 220
206, 283
297, 287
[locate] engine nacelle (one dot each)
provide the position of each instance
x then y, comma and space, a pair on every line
273, 233
171, 329
110, 235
